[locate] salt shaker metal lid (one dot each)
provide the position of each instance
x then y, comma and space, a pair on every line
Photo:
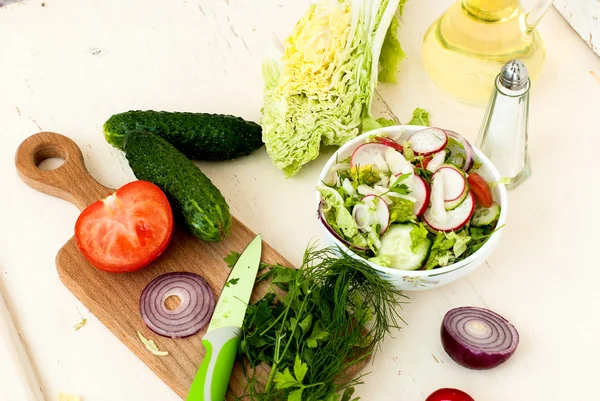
514, 75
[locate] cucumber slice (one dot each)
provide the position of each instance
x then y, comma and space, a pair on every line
484, 216
453, 204
396, 248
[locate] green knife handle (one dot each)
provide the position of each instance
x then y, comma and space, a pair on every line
212, 379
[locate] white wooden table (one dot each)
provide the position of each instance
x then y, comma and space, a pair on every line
66, 66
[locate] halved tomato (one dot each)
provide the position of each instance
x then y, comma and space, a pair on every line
480, 189
127, 230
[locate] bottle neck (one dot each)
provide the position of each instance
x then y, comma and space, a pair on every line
491, 10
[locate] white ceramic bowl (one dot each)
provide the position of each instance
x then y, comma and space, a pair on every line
415, 280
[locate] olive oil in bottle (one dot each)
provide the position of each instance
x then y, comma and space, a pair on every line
465, 48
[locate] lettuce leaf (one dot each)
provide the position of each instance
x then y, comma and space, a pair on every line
447, 247
391, 54
401, 210
420, 117
322, 90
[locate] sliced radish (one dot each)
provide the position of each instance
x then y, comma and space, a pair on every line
421, 193
369, 154
389, 142
436, 161
461, 145
398, 163
455, 219
438, 211
334, 233
428, 141
366, 190
347, 185
455, 183
372, 209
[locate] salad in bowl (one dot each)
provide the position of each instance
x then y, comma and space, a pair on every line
411, 199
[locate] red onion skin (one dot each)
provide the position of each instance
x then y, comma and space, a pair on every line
469, 153
471, 358
149, 318
336, 235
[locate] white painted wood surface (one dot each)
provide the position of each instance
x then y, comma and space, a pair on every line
69, 65
584, 17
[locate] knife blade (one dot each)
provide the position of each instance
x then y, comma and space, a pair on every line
222, 337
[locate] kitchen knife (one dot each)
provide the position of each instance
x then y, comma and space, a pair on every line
222, 337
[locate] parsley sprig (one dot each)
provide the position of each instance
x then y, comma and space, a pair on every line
314, 324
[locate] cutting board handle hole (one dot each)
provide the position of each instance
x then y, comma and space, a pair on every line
49, 157
172, 302
51, 163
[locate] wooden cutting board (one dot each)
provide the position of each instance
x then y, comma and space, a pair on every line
114, 298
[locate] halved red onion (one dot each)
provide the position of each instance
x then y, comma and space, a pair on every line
478, 338
469, 153
334, 233
197, 303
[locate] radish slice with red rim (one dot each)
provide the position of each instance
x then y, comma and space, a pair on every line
334, 233
388, 142
455, 183
197, 303
463, 147
421, 194
478, 338
370, 154
428, 141
454, 219
436, 161
372, 209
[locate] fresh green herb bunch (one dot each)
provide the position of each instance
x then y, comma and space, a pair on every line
314, 324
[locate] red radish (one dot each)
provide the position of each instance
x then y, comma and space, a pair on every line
388, 142
455, 183
449, 394
369, 154
398, 164
478, 338
455, 219
435, 161
334, 233
463, 147
365, 217
421, 194
428, 141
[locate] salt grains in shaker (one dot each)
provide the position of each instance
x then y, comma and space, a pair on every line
503, 133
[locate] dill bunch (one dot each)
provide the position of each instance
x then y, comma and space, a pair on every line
314, 325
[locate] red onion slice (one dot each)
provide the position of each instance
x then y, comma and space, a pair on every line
197, 303
468, 149
478, 338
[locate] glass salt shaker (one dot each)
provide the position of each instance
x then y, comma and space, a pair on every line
503, 134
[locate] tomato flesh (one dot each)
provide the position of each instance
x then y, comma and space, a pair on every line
480, 189
127, 230
449, 394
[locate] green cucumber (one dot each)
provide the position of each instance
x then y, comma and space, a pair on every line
199, 136
196, 202
484, 216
